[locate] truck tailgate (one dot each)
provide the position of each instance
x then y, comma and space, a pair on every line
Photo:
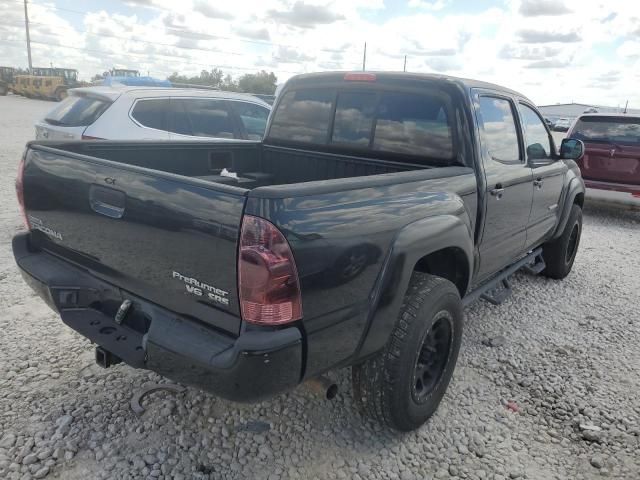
167, 238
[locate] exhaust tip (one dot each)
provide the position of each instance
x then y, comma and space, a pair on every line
332, 391
322, 386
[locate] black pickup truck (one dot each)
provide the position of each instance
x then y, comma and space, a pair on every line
376, 207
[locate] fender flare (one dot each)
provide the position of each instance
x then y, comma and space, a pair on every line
412, 242
575, 187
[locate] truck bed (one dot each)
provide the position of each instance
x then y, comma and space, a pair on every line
255, 164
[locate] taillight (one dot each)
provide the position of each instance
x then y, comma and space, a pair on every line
20, 192
89, 137
267, 276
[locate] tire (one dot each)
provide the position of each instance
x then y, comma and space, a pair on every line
560, 253
390, 387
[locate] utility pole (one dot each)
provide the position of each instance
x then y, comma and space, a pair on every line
26, 24
404, 69
364, 57
625, 106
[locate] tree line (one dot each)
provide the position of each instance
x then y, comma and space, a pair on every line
260, 82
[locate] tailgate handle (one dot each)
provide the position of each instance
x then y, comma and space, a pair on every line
107, 201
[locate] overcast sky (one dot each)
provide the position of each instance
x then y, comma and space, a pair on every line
586, 51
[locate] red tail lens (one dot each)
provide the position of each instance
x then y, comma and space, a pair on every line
267, 276
89, 137
360, 77
20, 193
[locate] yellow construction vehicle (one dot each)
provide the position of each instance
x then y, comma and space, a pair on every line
53, 83
123, 72
6, 79
22, 85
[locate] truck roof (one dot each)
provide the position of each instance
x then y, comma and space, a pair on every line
465, 83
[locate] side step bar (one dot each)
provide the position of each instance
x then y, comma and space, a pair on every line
498, 289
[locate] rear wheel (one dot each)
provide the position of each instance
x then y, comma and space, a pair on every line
560, 253
403, 385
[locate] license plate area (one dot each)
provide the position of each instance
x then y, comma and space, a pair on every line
120, 340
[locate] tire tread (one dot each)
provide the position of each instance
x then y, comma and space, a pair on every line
375, 379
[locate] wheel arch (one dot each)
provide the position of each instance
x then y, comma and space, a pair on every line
442, 246
575, 196
450, 263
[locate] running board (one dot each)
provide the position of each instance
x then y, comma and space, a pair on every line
499, 293
536, 267
498, 289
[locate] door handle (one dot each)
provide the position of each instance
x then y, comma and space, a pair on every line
538, 183
497, 192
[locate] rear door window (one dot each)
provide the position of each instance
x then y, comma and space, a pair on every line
151, 113
499, 132
253, 118
178, 121
303, 116
209, 118
77, 111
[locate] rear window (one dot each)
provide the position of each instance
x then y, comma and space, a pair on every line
607, 129
413, 125
303, 116
354, 118
386, 122
77, 111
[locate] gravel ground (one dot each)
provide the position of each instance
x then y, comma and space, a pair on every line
547, 385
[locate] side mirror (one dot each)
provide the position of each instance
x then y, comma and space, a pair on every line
571, 149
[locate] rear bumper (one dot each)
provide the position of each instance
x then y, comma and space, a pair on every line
614, 187
255, 365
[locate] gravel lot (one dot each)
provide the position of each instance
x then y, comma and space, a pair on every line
547, 385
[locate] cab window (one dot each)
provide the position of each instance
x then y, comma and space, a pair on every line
537, 144
498, 129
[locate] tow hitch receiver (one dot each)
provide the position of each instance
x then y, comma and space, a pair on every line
105, 358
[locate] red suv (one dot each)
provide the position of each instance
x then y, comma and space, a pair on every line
612, 151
